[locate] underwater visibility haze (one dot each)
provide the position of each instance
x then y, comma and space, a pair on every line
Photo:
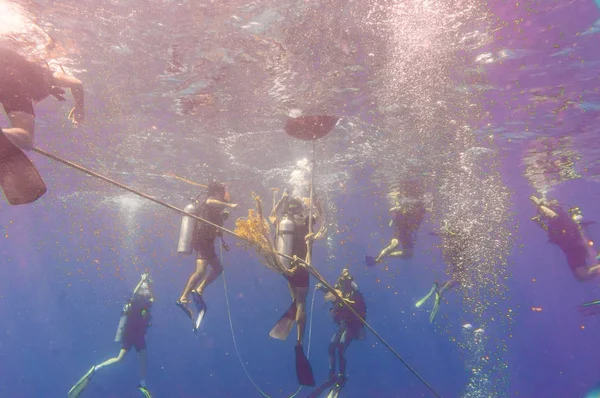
436, 165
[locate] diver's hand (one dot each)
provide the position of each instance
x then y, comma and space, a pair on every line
319, 286
537, 201
594, 270
145, 276
77, 115
396, 208
285, 194
310, 237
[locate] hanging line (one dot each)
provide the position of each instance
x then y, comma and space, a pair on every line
308, 267
237, 351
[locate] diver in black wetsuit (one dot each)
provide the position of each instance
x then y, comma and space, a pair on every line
297, 276
136, 318
407, 215
567, 230
350, 328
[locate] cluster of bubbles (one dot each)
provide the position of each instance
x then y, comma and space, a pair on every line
428, 49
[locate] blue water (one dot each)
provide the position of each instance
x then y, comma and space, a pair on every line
201, 91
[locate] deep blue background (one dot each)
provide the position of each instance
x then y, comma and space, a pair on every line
70, 260
67, 270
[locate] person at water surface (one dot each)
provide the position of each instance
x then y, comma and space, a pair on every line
567, 230
22, 83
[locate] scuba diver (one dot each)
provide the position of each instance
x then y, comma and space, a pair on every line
439, 292
293, 239
21, 84
200, 236
566, 229
455, 256
407, 215
350, 328
131, 332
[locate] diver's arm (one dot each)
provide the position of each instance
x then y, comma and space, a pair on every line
547, 212
321, 287
278, 206
61, 79
139, 285
538, 221
220, 203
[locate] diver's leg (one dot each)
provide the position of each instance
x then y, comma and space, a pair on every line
436, 307
447, 286
333, 346
406, 236
393, 244
22, 128
216, 269
111, 361
194, 279
426, 297
143, 363
346, 339
300, 294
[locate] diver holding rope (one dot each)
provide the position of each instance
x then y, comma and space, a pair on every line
350, 328
302, 122
294, 239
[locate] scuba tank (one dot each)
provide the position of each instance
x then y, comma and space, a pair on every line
285, 240
122, 321
188, 229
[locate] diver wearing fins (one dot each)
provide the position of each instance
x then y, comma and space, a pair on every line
406, 217
567, 230
439, 292
200, 236
293, 239
131, 332
455, 253
350, 328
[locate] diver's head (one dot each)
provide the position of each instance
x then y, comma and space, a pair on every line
217, 190
145, 289
294, 207
345, 280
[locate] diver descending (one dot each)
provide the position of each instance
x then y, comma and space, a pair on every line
201, 237
407, 216
567, 230
135, 320
350, 328
293, 239
21, 84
